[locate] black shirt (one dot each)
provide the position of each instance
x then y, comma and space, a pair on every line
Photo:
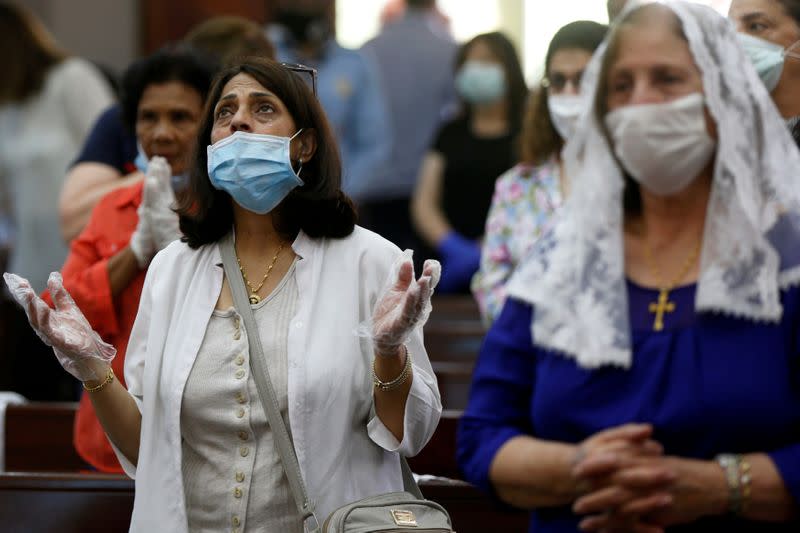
471, 166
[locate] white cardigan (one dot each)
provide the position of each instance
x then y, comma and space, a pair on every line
345, 453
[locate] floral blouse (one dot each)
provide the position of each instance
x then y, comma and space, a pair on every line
525, 199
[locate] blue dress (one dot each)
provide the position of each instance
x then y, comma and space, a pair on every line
708, 383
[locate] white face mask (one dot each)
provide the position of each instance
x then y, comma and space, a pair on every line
662, 146
564, 112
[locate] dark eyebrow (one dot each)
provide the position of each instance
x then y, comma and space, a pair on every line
747, 17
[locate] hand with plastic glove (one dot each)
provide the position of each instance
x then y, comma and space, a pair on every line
461, 258
79, 348
158, 199
404, 306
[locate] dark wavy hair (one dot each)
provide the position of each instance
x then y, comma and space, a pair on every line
319, 207
540, 140
792, 8
175, 62
516, 90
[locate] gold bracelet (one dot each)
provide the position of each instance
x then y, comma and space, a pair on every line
738, 478
396, 382
109, 379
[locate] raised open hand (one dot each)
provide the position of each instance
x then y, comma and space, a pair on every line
404, 306
78, 348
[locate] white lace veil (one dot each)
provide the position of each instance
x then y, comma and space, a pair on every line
575, 276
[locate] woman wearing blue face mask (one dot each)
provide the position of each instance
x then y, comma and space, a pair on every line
336, 310
644, 374
457, 176
769, 32
527, 196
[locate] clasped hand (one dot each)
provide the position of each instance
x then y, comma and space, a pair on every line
628, 485
404, 306
158, 224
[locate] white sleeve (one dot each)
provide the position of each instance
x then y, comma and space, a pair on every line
424, 403
136, 355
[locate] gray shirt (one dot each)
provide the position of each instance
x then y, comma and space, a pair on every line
415, 58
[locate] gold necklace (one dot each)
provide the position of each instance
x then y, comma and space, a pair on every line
254, 298
663, 305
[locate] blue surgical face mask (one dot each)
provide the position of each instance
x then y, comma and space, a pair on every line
255, 169
179, 181
141, 160
767, 58
481, 83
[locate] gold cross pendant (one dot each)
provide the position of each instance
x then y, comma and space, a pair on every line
660, 308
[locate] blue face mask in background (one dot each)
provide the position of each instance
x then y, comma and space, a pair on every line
179, 181
768, 58
481, 83
255, 169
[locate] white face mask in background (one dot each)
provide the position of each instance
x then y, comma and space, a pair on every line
662, 146
564, 112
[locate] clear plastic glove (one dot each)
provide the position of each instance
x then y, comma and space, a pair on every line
79, 348
403, 306
158, 200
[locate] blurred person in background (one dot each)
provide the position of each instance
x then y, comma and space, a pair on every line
162, 101
108, 159
458, 174
769, 31
48, 102
527, 196
348, 87
414, 57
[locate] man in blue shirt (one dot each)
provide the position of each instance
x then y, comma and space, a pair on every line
348, 87
415, 56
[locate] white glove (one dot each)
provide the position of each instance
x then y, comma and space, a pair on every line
158, 224
79, 348
404, 305
163, 220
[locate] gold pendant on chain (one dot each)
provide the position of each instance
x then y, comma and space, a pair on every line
254, 299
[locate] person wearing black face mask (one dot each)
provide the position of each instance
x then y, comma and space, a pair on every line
348, 87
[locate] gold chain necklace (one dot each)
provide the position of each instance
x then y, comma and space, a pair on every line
254, 298
663, 305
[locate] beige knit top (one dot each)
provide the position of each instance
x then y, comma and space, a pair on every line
232, 475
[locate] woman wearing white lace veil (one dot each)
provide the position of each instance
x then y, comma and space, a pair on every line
646, 368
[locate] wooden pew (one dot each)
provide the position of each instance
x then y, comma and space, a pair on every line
89, 503
438, 458
453, 337
38, 438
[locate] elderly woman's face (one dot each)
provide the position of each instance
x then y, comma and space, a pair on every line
246, 105
167, 121
652, 65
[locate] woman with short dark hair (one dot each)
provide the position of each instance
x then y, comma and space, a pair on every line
162, 99
337, 310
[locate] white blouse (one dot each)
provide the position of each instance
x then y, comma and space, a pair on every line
345, 451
